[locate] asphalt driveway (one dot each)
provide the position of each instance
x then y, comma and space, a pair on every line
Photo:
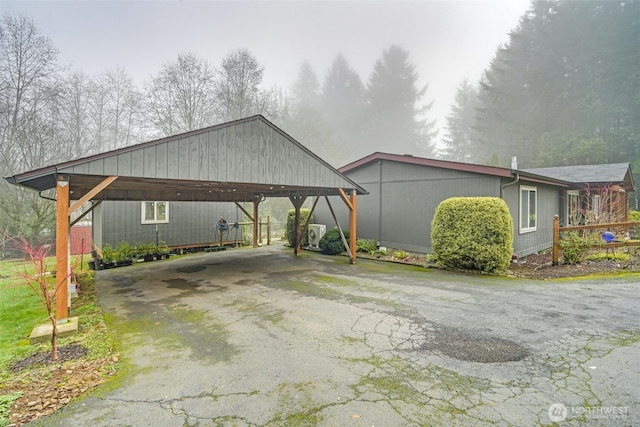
258, 337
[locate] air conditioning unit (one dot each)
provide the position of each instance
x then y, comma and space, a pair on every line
315, 233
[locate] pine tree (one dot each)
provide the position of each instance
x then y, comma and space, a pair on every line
460, 139
397, 121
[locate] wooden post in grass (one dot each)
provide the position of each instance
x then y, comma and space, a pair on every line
556, 239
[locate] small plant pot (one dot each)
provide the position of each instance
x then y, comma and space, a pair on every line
92, 265
148, 257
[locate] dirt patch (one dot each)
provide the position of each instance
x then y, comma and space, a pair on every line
51, 384
538, 266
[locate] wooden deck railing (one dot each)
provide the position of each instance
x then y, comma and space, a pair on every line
616, 226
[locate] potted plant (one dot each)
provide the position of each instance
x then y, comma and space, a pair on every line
108, 255
136, 252
124, 254
148, 250
163, 250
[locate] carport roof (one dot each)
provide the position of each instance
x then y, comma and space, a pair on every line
235, 161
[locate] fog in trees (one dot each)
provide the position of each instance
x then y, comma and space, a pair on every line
28, 98
238, 86
460, 141
564, 90
181, 97
397, 117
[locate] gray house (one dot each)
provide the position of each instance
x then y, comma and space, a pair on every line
404, 192
602, 192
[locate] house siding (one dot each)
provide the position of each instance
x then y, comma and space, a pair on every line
243, 152
403, 198
190, 223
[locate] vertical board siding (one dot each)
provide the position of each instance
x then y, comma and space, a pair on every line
239, 172
263, 158
137, 164
190, 223
203, 166
212, 155
193, 167
231, 152
222, 155
173, 162
96, 167
124, 163
111, 165
183, 158
161, 161
150, 161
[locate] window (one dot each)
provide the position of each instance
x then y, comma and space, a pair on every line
528, 209
596, 205
155, 212
573, 207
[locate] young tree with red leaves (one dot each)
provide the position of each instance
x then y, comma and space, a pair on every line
35, 274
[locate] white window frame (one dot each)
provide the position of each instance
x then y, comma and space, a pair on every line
155, 220
596, 205
570, 215
528, 228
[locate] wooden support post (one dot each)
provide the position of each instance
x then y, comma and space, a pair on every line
556, 240
344, 240
297, 202
350, 201
255, 219
268, 230
62, 251
352, 226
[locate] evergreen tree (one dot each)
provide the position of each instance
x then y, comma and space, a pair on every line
302, 117
460, 138
396, 119
342, 106
566, 88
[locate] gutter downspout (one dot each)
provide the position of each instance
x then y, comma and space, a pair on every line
503, 186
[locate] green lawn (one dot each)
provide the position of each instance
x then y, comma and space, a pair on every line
20, 310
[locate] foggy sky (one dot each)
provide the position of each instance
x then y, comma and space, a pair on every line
447, 40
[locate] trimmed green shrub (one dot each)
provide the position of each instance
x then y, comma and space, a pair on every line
331, 243
291, 226
400, 254
574, 247
474, 233
366, 245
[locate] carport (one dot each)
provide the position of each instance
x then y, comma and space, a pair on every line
247, 160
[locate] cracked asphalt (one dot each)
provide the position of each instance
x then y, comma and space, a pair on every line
259, 337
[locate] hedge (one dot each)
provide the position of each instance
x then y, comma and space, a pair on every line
474, 233
291, 225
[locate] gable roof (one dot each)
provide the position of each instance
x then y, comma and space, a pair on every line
445, 164
234, 161
608, 173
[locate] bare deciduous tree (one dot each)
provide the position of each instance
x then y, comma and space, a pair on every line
28, 117
181, 97
238, 86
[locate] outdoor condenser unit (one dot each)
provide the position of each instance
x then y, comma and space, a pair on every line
316, 231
